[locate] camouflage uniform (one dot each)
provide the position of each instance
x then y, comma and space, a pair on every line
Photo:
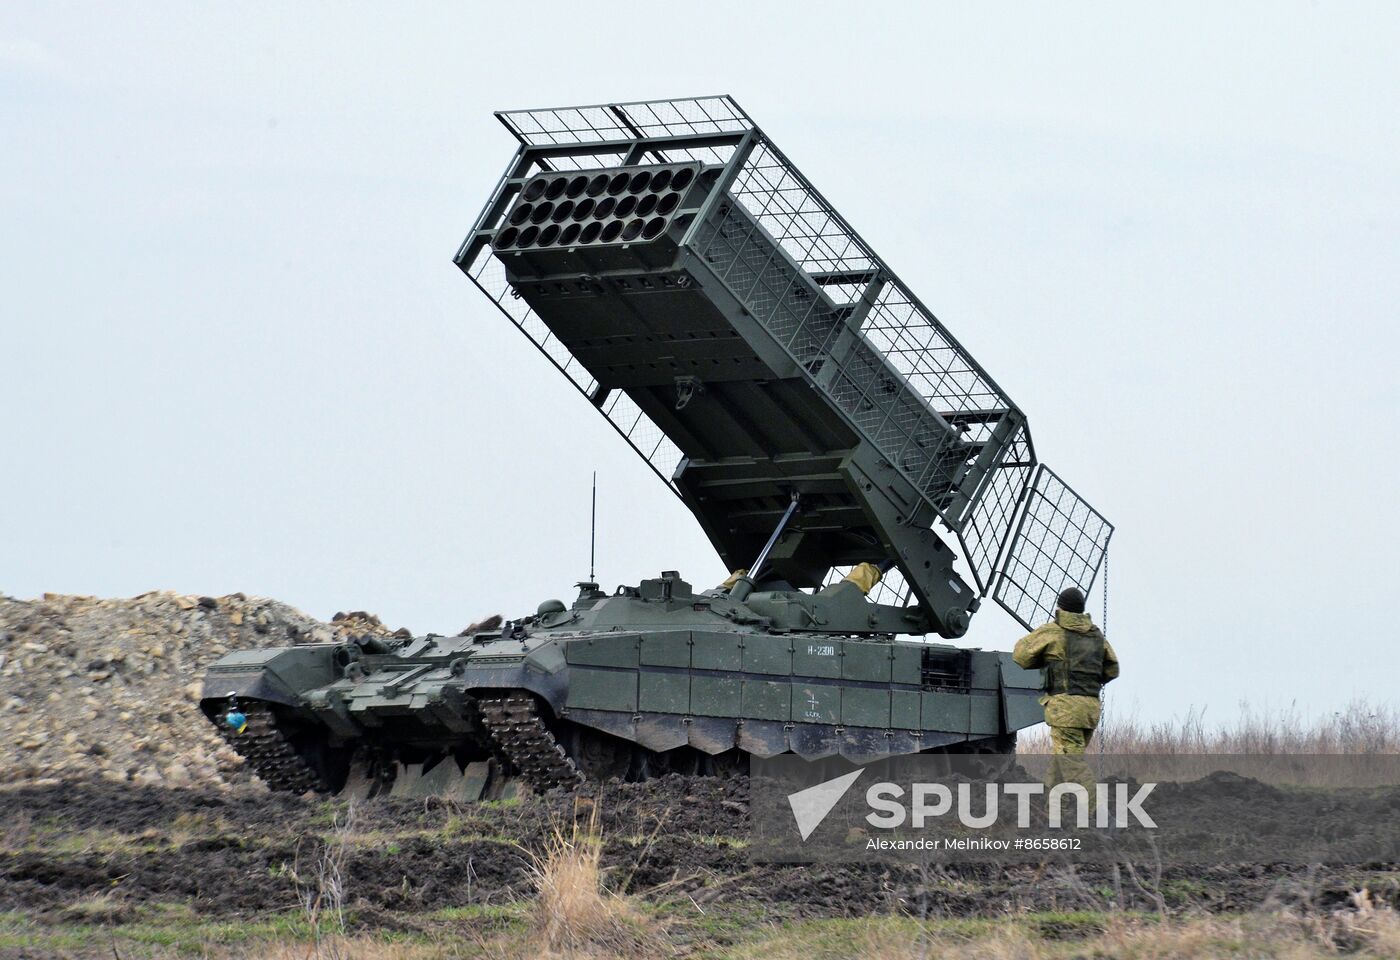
1077, 661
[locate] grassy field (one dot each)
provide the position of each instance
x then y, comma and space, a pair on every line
111, 890
575, 913
101, 870
1361, 727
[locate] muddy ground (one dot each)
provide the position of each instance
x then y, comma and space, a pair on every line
74, 850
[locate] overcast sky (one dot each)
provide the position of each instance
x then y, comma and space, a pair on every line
236, 354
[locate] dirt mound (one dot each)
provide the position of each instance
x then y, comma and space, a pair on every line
108, 687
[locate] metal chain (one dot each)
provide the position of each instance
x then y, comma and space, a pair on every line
1103, 627
267, 750
515, 724
1103, 623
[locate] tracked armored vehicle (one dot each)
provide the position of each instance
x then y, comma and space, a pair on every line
841, 450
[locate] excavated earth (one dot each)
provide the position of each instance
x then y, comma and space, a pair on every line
108, 688
115, 794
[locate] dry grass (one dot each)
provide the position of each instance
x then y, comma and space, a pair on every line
321, 891
1367, 932
574, 914
1363, 930
1360, 728
358, 948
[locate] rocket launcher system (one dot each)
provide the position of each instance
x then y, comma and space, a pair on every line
748, 344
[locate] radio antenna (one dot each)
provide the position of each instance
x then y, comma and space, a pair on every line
593, 531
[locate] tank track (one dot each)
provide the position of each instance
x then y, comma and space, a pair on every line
516, 726
270, 754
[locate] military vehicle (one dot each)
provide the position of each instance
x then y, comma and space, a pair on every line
841, 450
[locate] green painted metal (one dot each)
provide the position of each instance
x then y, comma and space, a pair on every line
749, 344
660, 667
803, 404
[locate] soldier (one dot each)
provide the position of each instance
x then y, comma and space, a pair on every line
1077, 662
